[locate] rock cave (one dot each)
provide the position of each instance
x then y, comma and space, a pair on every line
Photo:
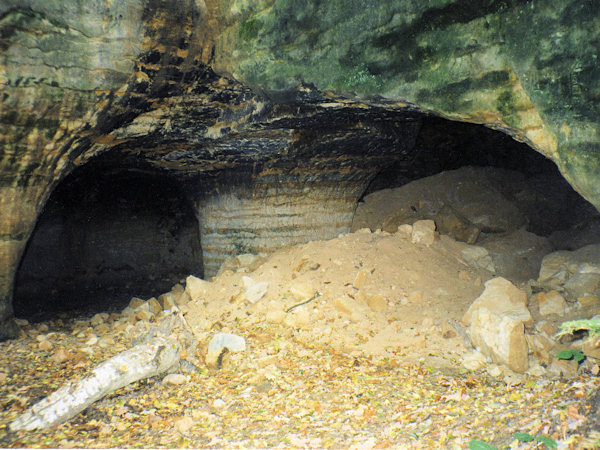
236, 161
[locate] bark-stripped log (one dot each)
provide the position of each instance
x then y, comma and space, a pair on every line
142, 361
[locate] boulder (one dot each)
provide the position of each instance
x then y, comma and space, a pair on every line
577, 271
496, 324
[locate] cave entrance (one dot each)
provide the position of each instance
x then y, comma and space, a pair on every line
107, 233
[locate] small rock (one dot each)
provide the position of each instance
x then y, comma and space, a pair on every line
423, 232
61, 355
589, 302
345, 305
565, 367
298, 318
591, 348
376, 302
42, 328
218, 344
255, 290
135, 302
360, 279
196, 287
231, 341
45, 345
106, 342
551, 303
177, 289
98, 319
306, 264
174, 379
427, 322
3, 377
454, 224
494, 370
582, 284
154, 306
144, 315
102, 329
536, 370
92, 340
127, 311
540, 346
166, 301
182, 298
478, 257
302, 291
21, 322
184, 424
405, 230
218, 403
474, 360
548, 328
274, 313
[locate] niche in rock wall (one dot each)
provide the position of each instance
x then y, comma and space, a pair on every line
105, 235
484, 189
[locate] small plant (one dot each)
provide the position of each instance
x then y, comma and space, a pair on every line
575, 355
480, 445
526, 437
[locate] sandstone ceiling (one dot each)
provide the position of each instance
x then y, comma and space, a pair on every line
274, 115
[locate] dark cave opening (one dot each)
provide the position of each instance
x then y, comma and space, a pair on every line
107, 233
443, 145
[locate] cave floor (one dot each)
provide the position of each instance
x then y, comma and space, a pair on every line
305, 398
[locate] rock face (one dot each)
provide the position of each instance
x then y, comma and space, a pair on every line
274, 116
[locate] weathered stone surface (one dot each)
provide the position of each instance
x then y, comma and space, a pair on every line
578, 271
478, 195
255, 290
281, 155
496, 324
477, 256
517, 255
551, 303
423, 232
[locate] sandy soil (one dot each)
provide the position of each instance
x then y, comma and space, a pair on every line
377, 294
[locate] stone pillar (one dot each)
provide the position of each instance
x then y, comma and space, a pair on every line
271, 212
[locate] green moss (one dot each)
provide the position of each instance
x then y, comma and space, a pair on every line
506, 104
249, 29
361, 80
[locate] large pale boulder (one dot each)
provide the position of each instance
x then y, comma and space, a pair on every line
496, 324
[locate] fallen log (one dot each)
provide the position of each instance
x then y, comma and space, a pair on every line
155, 356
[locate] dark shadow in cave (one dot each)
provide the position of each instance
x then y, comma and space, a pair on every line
444, 145
107, 233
